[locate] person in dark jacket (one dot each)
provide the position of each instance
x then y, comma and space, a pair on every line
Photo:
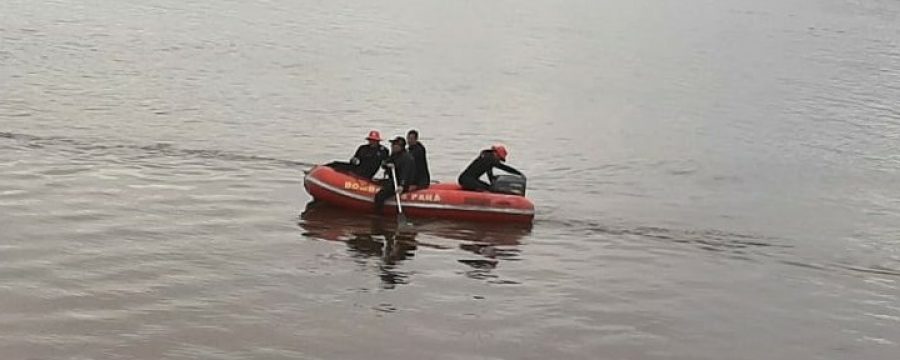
487, 161
422, 177
367, 159
401, 163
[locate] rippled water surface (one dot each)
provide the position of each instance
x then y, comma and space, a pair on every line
713, 179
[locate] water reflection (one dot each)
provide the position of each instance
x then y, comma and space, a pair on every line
369, 237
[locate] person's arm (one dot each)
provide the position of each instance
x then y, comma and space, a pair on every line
509, 169
422, 175
426, 173
355, 159
385, 164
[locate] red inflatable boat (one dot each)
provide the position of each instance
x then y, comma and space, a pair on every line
447, 201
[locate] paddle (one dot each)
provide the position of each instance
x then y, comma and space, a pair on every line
401, 219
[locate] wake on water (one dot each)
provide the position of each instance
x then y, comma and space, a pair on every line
743, 246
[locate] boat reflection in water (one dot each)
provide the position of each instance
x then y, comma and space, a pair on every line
371, 237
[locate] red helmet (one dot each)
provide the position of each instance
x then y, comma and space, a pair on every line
374, 135
501, 151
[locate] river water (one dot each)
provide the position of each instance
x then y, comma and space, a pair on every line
713, 179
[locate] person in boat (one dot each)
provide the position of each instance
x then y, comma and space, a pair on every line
367, 159
400, 163
422, 177
487, 161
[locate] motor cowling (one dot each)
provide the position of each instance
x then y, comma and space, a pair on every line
509, 184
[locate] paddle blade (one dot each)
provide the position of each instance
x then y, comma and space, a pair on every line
403, 224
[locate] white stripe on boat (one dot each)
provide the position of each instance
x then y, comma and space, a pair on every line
369, 199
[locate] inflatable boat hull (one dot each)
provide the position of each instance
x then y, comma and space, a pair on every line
446, 201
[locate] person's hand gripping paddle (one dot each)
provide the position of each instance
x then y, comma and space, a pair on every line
401, 218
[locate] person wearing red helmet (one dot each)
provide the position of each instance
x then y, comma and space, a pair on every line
367, 159
487, 161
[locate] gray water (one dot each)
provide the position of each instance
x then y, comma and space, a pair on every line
713, 179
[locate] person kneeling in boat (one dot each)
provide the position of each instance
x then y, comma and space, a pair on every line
367, 159
487, 161
400, 163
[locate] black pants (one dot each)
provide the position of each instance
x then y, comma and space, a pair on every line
348, 168
387, 191
473, 184
341, 166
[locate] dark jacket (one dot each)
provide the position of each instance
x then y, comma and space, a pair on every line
422, 177
370, 159
405, 167
486, 163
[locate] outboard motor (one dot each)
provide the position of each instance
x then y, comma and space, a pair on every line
509, 184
